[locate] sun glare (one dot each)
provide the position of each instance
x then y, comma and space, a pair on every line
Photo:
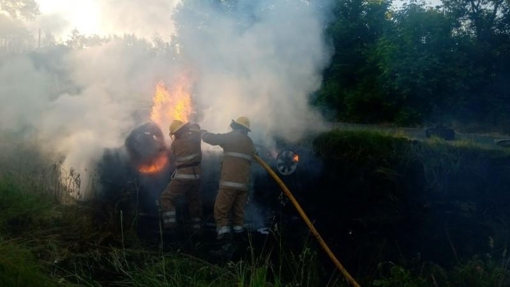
83, 15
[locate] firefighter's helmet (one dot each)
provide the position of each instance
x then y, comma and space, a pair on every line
175, 126
244, 122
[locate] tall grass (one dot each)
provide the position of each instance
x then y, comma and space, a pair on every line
19, 267
45, 243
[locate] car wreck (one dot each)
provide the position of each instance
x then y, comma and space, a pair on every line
134, 175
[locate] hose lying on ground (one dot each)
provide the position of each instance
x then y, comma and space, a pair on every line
308, 222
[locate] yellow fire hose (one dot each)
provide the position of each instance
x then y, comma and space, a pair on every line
308, 222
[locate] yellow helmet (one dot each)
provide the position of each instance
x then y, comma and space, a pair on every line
175, 126
243, 121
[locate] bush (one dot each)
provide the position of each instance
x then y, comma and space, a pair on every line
19, 208
19, 268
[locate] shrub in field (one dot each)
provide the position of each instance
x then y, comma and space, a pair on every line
19, 268
21, 208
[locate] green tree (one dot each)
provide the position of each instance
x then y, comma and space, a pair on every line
24, 9
79, 41
349, 82
484, 26
419, 64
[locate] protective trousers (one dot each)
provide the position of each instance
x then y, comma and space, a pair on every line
229, 200
175, 189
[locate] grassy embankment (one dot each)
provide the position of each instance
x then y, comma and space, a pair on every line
442, 201
46, 243
430, 213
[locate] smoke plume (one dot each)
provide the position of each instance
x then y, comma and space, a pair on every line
260, 59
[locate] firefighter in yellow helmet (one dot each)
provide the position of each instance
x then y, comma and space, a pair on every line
238, 151
187, 155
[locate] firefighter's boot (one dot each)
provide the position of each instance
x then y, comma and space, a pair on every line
227, 247
169, 221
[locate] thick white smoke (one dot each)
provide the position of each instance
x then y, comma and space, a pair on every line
261, 59
142, 18
82, 101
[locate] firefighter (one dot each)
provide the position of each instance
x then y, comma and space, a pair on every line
238, 151
185, 180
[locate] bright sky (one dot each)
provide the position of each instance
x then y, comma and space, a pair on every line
85, 15
143, 18
81, 14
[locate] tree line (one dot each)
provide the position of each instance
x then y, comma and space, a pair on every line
419, 65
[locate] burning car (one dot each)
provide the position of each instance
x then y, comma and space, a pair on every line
146, 148
133, 176
137, 173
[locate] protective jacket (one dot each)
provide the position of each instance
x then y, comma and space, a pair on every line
238, 151
187, 155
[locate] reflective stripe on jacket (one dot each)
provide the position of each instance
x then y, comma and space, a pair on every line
187, 153
190, 158
179, 175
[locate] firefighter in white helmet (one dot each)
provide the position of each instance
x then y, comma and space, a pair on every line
238, 151
187, 154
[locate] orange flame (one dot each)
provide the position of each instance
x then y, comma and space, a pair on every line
168, 105
173, 104
295, 158
156, 165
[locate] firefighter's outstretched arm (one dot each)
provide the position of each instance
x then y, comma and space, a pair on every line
213, 139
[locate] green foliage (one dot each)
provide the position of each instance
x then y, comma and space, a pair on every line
66, 242
368, 148
419, 64
446, 198
473, 273
18, 208
349, 81
416, 61
400, 277
26, 9
386, 179
477, 272
430, 162
19, 268
143, 268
